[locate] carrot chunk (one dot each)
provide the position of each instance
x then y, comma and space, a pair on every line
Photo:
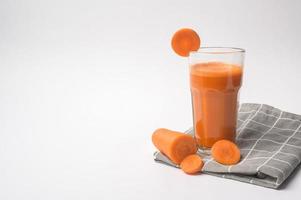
192, 164
225, 152
175, 145
184, 41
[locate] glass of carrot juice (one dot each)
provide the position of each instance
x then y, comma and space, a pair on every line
215, 80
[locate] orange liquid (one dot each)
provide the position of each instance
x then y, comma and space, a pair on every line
214, 89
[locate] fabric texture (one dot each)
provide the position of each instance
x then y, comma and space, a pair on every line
270, 143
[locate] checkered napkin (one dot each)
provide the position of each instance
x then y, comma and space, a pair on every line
270, 143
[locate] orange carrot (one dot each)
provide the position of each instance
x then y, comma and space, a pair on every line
175, 145
225, 152
184, 41
192, 164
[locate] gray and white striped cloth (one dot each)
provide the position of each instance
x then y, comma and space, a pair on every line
270, 143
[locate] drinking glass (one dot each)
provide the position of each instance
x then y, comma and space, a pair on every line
215, 80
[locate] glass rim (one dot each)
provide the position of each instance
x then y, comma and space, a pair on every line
217, 50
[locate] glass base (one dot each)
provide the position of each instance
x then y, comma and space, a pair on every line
204, 150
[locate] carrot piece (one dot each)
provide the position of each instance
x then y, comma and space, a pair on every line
225, 152
184, 41
192, 164
175, 145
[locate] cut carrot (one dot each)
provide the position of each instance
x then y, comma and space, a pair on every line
225, 152
192, 164
175, 145
184, 41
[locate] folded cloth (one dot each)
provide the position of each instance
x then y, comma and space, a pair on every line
270, 143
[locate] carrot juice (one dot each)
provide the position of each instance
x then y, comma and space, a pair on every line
214, 89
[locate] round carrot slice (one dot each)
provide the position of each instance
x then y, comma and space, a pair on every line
225, 152
192, 164
184, 41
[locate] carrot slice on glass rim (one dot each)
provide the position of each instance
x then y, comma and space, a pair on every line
184, 41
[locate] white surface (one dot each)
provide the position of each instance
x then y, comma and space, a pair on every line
83, 84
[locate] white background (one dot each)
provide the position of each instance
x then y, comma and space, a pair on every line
83, 84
